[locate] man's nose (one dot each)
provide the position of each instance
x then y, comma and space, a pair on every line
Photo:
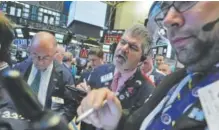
173, 18
125, 48
39, 60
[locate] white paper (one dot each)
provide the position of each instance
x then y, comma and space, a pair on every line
209, 97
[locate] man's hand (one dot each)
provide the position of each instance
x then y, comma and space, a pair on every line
107, 116
84, 87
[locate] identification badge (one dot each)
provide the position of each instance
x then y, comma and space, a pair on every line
209, 97
58, 100
106, 77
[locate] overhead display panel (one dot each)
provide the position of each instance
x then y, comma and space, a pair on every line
90, 12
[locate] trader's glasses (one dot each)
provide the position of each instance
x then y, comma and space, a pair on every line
179, 6
44, 58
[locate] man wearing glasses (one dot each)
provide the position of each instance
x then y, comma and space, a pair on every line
46, 77
177, 103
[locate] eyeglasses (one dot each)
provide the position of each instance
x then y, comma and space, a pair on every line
179, 6
44, 58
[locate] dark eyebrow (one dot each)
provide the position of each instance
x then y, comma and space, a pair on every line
132, 43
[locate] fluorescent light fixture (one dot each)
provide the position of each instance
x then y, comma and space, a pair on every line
19, 31
20, 35
27, 6
90, 45
45, 10
106, 48
32, 33
101, 33
120, 32
49, 12
74, 41
59, 36
59, 40
40, 13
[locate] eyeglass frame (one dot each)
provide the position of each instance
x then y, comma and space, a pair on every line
168, 8
44, 58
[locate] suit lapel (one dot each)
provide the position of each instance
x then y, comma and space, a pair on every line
27, 73
52, 83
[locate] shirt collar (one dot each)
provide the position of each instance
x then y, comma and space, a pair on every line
49, 68
149, 73
127, 74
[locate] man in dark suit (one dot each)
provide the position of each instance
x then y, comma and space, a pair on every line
150, 71
95, 58
184, 99
124, 76
46, 77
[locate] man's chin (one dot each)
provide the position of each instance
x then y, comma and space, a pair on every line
187, 59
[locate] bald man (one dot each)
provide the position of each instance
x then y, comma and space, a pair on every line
46, 77
60, 51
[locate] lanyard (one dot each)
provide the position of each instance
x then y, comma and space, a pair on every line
169, 113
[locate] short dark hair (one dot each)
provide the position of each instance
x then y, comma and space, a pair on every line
97, 52
6, 38
160, 55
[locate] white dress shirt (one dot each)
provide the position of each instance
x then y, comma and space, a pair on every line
44, 82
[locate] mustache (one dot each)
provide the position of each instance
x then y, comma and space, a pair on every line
122, 55
196, 32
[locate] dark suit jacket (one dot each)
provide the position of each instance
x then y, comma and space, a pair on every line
158, 77
93, 76
70, 71
60, 77
141, 87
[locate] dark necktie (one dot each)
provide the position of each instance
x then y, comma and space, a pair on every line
36, 83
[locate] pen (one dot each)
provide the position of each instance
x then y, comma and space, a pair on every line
90, 111
84, 80
87, 113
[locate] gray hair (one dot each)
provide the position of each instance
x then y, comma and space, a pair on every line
140, 32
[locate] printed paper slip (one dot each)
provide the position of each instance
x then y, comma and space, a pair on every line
209, 97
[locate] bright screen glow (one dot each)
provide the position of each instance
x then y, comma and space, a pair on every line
91, 12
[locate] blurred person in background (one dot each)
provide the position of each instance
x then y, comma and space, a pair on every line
150, 71
74, 67
59, 55
159, 59
46, 77
67, 63
95, 59
165, 68
67, 60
